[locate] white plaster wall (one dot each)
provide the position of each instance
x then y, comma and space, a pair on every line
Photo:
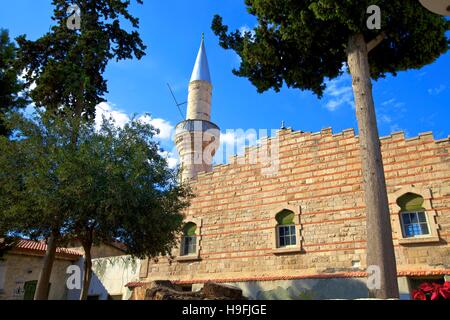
20, 268
109, 277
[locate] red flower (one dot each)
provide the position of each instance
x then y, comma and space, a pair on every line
418, 295
426, 287
444, 291
432, 291
435, 295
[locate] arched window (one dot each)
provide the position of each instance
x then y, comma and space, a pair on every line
286, 234
189, 239
413, 216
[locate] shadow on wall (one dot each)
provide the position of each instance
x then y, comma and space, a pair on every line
95, 289
307, 289
109, 276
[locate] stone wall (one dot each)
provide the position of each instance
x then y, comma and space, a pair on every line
309, 289
319, 178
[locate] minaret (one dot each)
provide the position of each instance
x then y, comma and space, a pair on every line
197, 138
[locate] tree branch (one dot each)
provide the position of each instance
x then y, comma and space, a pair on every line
372, 44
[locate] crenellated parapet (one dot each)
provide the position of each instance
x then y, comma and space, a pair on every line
291, 144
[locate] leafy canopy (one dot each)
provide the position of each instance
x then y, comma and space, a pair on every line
10, 85
112, 184
301, 43
67, 65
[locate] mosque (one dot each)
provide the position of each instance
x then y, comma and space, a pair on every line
286, 220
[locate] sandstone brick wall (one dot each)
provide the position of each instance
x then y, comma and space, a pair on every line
321, 174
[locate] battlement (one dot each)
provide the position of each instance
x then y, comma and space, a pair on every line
288, 139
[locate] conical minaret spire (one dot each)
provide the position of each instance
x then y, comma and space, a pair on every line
200, 87
197, 138
201, 67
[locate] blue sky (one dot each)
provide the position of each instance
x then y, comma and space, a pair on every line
414, 101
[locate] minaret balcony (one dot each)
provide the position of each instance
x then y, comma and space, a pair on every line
192, 125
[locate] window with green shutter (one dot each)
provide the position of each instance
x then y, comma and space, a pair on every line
189, 239
286, 228
413, 216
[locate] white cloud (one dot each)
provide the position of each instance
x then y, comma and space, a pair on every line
384, 118
393, 103
244, 29
171, 157
172, 162
227, 138
339, 92
107, 110
234, 141
438, 90
239, 138
22, 78
388, 102
396, 128
166, 129
389, 113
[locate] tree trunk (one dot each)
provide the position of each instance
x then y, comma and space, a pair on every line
87, 271
44, 277
76, 123
380, 248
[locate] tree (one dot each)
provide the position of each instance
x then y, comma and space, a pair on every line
121, 188
10, 85
303, 43
30, 199
66, 65
112, 185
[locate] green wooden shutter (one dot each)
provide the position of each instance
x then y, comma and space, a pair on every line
189, 229
29, 290
411, 202
285, 217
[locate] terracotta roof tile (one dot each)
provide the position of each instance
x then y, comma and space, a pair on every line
119, 245
40, 246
